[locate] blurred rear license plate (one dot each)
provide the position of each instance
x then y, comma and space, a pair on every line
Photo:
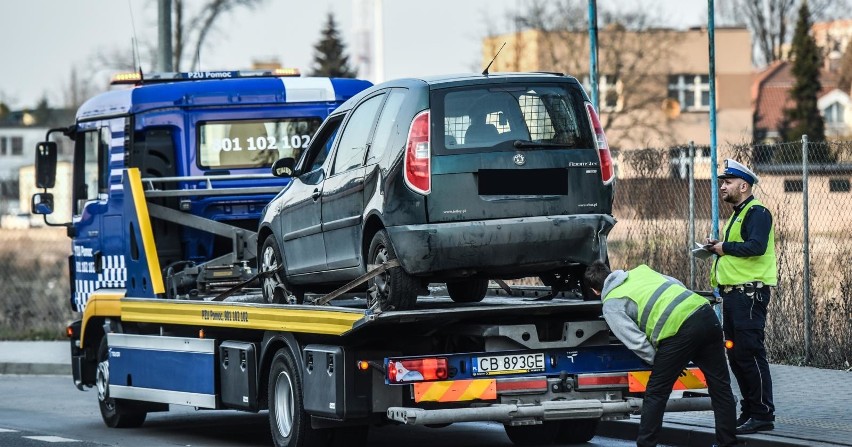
508, 364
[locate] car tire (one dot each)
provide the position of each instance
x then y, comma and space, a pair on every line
393, 289
471, 290
577, 431
116, 413
273, 286
288, 421
539, 434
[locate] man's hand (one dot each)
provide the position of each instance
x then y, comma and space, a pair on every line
714, 246
717, 248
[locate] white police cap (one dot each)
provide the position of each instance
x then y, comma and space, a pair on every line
736, 169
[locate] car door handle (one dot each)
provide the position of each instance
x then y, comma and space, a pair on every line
316, 195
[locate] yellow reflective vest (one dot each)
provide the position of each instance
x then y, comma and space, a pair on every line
663, 305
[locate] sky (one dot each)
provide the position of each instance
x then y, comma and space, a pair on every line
42, 40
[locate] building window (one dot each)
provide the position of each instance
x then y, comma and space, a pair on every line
609, 92
833, 113
793, 186
691, 91
3, 145
17, 145
838, 185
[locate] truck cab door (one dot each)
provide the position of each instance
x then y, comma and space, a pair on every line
90, 196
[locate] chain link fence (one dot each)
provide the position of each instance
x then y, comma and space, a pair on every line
809, 316
658, 219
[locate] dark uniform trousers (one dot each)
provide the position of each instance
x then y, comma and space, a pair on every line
699, 340
744, 323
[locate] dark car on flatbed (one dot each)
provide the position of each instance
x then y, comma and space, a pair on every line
460, 178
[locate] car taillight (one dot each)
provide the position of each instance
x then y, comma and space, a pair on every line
418, 155
607, 171
417, 370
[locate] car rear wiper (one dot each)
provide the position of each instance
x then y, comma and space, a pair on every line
523, 144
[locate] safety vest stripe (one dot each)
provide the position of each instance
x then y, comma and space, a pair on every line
667, 312
649, 306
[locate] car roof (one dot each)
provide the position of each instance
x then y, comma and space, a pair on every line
454, 80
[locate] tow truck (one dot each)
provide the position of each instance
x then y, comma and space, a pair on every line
162, 272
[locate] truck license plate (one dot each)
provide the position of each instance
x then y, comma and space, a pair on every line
508, 364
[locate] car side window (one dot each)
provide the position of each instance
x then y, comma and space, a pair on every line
353, 140
387, 122
322, 144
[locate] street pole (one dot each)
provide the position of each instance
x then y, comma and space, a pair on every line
164, 31
593, 53
806, 274
714, 182
691, 243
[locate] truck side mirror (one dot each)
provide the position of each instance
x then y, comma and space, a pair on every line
42, 203
283, 167
45, 166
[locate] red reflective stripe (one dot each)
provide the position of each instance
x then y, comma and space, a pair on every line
517, 385
602, 380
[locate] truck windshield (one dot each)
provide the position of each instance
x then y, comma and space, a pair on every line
253, 144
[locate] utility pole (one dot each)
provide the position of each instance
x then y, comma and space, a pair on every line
593, 53
164, 55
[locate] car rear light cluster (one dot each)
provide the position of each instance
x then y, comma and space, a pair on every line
604, 155
418, 155
417, 370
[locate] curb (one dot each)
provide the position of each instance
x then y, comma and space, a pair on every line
695, 436
54, 369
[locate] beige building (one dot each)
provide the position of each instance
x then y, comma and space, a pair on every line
654, 87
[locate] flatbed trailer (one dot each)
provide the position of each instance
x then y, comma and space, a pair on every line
549, 370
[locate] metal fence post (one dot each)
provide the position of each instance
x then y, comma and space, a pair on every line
691, 230
806, 283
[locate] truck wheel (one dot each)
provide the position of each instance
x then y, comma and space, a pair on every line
540, 434
577, 431
394, 289
114, 412
470, 290
275, 289
290, 425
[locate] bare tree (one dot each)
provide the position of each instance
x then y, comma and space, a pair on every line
631, 54
771, 21
192, 26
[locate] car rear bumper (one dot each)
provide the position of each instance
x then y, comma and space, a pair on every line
523, 246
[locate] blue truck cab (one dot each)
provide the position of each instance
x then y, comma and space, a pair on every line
200, 145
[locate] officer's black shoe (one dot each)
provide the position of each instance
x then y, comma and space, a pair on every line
744, 417
755, 425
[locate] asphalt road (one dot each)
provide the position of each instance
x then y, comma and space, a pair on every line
49, 411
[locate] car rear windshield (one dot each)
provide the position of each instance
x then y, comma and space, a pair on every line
480, 118
253, 144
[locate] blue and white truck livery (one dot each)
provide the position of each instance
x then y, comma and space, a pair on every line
169, 178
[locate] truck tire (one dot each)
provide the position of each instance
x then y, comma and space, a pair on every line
275, 289
394, 289
116, 413
540, 434
288, 421
577, 431
471, 290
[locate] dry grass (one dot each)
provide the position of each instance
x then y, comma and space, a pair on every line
34, 278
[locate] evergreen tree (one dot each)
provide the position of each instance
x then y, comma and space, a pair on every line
804, 117
330, 57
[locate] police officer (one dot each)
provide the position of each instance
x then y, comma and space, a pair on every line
743, 270
667, 326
